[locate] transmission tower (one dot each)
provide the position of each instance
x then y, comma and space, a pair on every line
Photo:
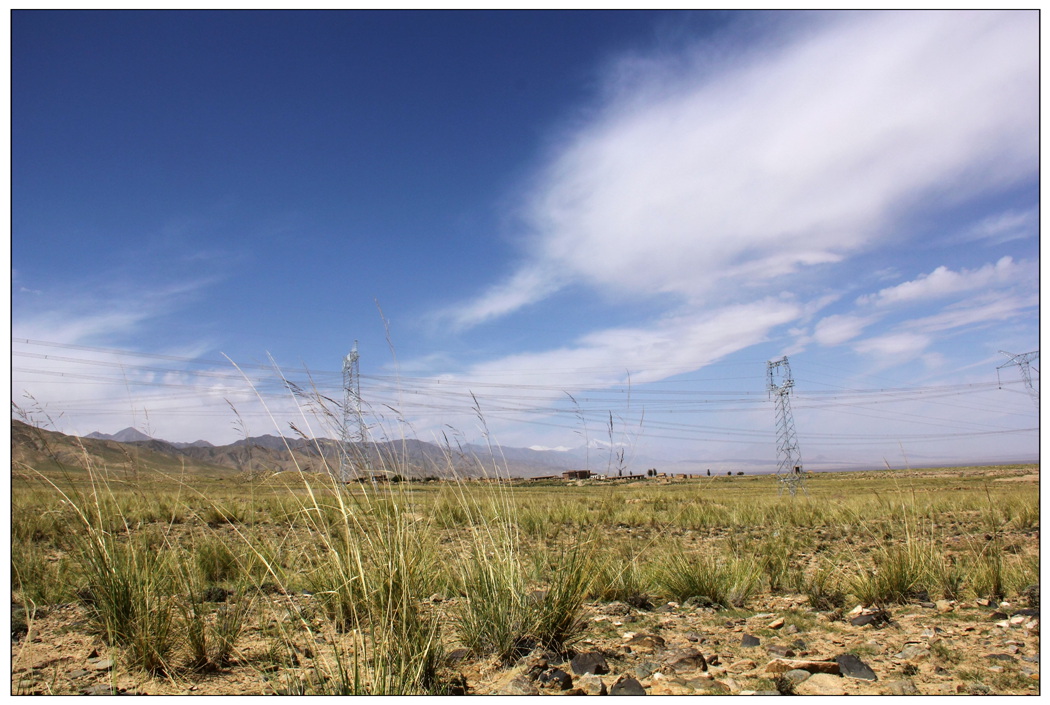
1023, 361
789, 459
352, 431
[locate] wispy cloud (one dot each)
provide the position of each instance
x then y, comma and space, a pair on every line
942, 282
724, 183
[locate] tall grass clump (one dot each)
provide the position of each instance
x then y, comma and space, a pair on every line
128, 599
707, 578
896, 574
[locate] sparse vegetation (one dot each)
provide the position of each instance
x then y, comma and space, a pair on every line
315, 587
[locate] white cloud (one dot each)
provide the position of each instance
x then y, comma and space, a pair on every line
943, 282
678, 343
838, 329
896, 345
1003, 227
722, 183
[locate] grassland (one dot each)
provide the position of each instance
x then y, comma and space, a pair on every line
239, 583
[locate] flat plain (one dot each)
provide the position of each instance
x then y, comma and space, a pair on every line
190, 580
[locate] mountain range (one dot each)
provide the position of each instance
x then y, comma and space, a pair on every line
412, 457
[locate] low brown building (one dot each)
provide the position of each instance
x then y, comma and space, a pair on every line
576, 474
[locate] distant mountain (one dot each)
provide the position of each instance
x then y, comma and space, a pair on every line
195, 444
405, 456
128, 435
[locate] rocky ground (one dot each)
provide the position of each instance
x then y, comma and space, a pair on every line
777, 646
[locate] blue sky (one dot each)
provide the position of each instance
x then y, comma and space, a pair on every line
555, 219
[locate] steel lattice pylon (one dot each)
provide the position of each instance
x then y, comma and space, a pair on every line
789, 458
352, 431
1023, 361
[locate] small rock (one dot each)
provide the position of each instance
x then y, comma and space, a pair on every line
555, 678
944, 606
589, 662
781, 651
853, 667
821, 684
686, 660
79, 673
781, 665
776, 623
999, 657
902, 687
103, 665
645, 669
741, 666
457, 655
913, 652
795, 676
749, 641
875, 619
640, 602
100, 689
520, 685
645, 643
590, 684
625, 685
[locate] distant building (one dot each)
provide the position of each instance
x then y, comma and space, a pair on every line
576, 474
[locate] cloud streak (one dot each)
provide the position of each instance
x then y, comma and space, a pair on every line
723, 184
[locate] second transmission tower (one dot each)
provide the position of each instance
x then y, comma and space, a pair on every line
789, 459
352, 432
1023, 361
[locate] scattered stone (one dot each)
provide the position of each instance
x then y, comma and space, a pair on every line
520, 685
100, 689
741, 666
688, 659
821, 684
913, 652
645, 669
999, 657
782, 665
589, 662
640, 602
1031, 594
103, 665
776, 623
875, 618
625, 685
902, 687
795, 676
555, 678
590, 684
853, 667
749, 641
644, 643
944, 606
781, 651
457, 655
